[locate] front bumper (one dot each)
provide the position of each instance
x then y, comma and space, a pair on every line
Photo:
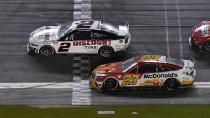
194, 44
30, 49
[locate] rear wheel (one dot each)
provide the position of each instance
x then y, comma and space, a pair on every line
110, 85
207, 46
47, 50
106, 51
171, 84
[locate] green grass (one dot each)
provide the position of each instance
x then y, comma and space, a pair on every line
145, 111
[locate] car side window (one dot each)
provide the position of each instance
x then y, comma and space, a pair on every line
135, 70
147, 68
103, 35
163, 68
82, 35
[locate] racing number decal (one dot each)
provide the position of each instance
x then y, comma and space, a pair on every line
64, 47
130, 79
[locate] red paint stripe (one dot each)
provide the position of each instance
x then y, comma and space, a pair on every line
46, 37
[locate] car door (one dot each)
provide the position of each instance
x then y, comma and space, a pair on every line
64, 45
148, 72
81, 41
131, 77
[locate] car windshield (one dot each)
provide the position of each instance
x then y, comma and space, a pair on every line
109, 27
63, 29
128, 64
175, 61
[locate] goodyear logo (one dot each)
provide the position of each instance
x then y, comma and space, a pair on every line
167, 75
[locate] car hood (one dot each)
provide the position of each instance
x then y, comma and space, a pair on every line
44, 33
188, 64
110, 68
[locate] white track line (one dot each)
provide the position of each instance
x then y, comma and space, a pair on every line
36, 85
5, 53
66, 85
179, 28
166, 24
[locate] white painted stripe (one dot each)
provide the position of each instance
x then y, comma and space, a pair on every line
5, 53
36, 85
105, 112
179, 28
166, 24
79, 87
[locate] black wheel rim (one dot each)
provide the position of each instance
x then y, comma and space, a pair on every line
111, 84
172, 84
207, 46
46, 51
106, 52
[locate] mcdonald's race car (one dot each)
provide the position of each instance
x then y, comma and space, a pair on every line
144, 71
79, 37
200, 36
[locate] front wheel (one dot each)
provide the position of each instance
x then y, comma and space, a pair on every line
47, 51
106, 51
171, 84
207, 46
111, 85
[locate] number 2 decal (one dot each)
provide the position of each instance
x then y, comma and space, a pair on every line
130, 79
64, 47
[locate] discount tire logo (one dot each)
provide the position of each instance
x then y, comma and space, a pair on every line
167, 75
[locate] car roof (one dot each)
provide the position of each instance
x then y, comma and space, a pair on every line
159, 59
151, 58
86, 24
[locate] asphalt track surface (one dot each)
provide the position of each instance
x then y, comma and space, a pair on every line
157, 27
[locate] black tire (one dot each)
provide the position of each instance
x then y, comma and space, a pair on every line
171, 84
106, 51
110, 85
207, 46
47, 50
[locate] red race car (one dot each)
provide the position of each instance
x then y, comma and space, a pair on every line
144, 71
200, 36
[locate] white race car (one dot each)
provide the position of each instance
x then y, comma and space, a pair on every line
79, 37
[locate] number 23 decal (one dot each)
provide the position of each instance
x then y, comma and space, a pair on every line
64, 47
130, 79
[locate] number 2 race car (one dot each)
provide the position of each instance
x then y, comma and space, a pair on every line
200, 36
144, 71
79, 37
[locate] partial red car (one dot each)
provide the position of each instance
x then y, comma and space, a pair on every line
200, 36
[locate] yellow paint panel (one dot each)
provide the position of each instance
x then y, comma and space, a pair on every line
141, 84
94, 84
150, 58
186, 82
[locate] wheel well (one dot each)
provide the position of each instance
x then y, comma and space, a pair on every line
208, 41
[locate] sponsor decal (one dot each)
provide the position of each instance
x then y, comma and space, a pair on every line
130, 79
167, 75
91, 42
90, 47
150, 58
